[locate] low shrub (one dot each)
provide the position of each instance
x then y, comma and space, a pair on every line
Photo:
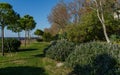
39, 40
11, 44
60, 50
52, 43
94, 58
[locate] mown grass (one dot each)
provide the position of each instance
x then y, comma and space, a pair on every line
30, 61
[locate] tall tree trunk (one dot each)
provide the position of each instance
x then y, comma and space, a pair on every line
100, 15
104, 27
104, 30
2, 35
19, 35
28, 37
25, 37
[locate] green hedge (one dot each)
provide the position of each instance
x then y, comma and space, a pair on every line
95, 58
10, 44
60, 50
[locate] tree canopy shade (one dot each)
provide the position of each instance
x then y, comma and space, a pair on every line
7, 15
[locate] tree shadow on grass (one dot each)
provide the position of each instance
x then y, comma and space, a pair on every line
22, 71
39, 55
28, 49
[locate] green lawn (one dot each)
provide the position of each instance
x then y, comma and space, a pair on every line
30, 61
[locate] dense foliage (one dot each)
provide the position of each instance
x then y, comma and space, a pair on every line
47, 37
38, 32
85, 31
95, 58
60, 50
11, 45
90, 28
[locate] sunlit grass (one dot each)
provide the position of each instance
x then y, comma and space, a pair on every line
30, 58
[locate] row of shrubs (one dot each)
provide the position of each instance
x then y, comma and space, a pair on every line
94, 58
10, 44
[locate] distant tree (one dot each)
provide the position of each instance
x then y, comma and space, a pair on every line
38, 32
64, 14
53, 30
7, 15
75, 10
30, 26
27, 24
59, 15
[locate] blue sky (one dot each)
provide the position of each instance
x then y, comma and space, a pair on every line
39, 9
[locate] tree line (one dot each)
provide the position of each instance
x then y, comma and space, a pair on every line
14, 22
85, 20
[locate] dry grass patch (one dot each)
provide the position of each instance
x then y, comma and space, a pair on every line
50, 66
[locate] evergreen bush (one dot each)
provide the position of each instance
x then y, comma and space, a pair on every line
60, 50
95, 58
10, 44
